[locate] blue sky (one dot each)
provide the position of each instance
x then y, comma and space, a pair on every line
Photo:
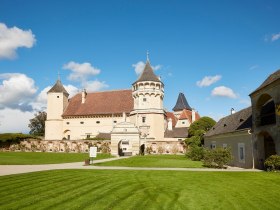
99, 45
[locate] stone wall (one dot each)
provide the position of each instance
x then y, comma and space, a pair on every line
77, 146
162, 147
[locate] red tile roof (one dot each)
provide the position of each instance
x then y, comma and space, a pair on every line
107, 102
172, 116
187, 114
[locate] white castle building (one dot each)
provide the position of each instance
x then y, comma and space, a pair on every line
132, 119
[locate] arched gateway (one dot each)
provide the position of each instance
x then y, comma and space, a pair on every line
125, 139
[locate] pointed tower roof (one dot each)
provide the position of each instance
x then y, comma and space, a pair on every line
148, 74
58, 88
181, 103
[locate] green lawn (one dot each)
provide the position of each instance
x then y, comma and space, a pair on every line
165, 161
33, 158
122, 189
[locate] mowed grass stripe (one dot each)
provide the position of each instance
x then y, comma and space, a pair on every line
124, 189
74, 197
23, 184
64, 196
117, 189
48, 186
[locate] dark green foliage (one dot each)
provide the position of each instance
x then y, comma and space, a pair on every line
37, 124
195, 153
193, 141
272, 163
201, 126
217, 158
14, 137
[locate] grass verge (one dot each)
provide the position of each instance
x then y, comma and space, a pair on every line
35, 158
122, 189
164, 161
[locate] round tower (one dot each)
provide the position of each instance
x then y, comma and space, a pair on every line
148, 113
57, 102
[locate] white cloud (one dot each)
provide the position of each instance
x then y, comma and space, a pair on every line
41, 100
95, 85
12, 120
139, 67
80, 71
275, 37
223, 91
17, 90
208, 80
13, 38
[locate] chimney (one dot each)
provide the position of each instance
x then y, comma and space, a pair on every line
84, 94
193, 115
169, 124
232, 111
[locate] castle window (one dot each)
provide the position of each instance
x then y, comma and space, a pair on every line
143, 119
82, 122
97, 122
57, 96
67, 123
241, 152
115, 122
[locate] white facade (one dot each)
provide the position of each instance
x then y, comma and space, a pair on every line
142, 107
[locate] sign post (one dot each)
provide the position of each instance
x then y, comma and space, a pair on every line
92, 153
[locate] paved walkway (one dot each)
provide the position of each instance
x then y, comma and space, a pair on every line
18, 169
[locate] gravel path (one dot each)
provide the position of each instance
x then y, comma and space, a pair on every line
18, 169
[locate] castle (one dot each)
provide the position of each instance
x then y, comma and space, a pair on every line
132, 119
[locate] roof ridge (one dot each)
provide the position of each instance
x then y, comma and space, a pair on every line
103, 91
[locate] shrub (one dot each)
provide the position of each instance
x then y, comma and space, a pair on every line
14, 137
149, 150
105, 148
272, 163
160, 149
193, 141
217, 158
195, 153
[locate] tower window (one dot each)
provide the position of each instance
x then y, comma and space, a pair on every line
115, 122
82, 122
67, 123
144, 99
57, 96
143, 119
97, 122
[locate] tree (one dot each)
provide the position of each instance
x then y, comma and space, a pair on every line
37, 124
195, 139
199, 127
